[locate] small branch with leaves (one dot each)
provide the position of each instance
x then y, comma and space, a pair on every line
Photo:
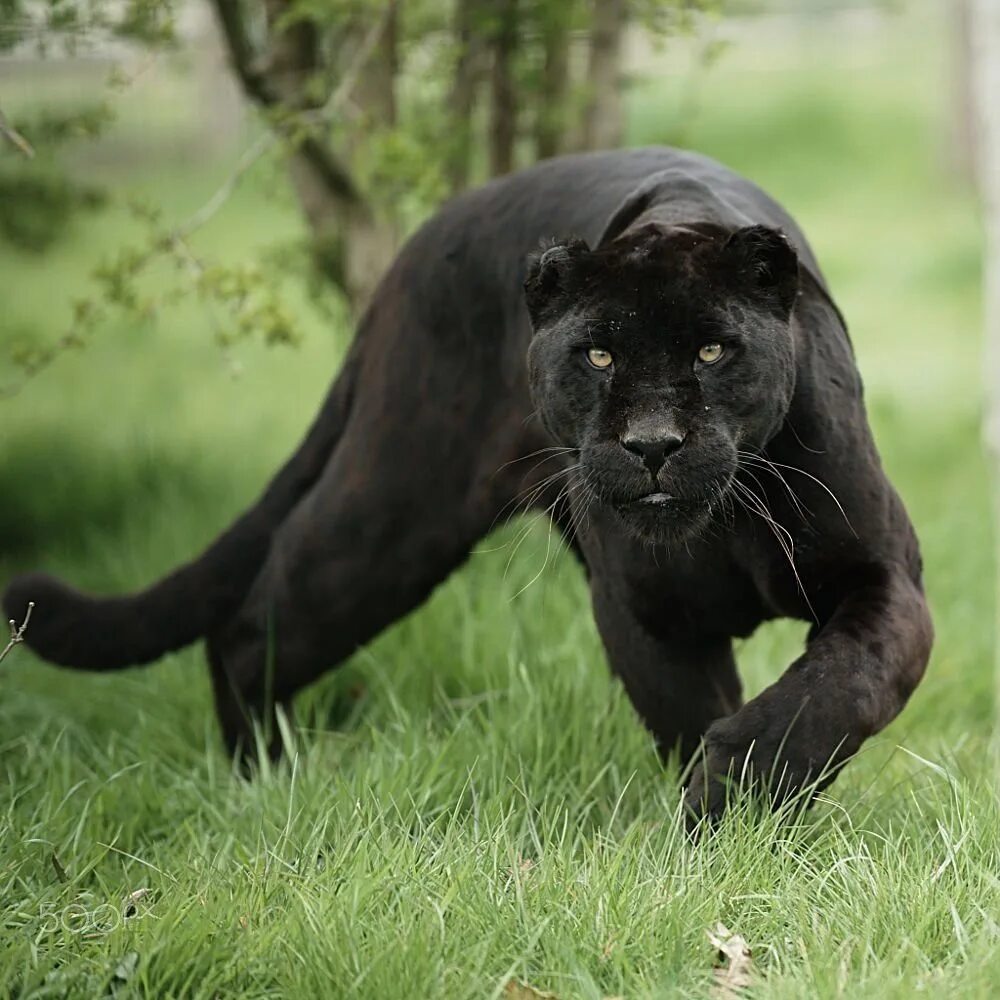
300, 131
17, 631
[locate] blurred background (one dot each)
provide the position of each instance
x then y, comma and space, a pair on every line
197, 198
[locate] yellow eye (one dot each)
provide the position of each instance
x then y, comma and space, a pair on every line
599, 358
710, 353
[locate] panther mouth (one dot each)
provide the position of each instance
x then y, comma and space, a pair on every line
656, 499
663, 518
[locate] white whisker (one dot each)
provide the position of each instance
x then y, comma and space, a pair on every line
780, 532
766, 464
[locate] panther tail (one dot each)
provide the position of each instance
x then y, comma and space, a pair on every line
78, 630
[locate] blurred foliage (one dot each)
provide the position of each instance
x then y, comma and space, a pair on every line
38, 199
37, 202
421, 118
486, 724
69, 25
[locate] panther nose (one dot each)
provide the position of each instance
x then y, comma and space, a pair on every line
653, 448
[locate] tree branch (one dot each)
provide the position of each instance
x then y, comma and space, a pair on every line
315, 117
261, 86
242, 54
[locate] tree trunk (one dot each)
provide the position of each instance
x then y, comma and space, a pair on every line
985, 33
291, 62
962, 132
465, 83
352, 244
986, 82
551, 118
371, 239
503, 118
603, 117
292, 56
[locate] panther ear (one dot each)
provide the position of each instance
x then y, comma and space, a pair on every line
550, 276
765, 264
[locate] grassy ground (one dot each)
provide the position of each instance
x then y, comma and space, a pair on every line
473, 799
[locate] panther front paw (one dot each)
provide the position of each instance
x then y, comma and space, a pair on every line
771, 764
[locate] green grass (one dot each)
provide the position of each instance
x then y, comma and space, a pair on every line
472, 798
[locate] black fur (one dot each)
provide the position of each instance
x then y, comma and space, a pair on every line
707, 497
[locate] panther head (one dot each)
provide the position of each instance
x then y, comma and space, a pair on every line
658, 356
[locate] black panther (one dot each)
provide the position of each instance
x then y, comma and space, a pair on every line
671, 380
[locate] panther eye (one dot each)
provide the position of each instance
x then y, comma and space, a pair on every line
599, 358
710, 353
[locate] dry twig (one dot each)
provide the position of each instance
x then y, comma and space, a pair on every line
15, 138
17, 631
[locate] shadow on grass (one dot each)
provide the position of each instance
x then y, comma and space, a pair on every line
56, 490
